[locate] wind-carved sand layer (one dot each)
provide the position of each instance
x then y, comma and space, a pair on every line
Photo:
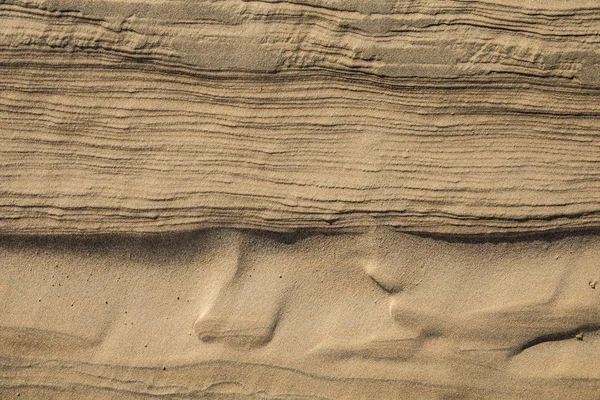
299, 199
273, 315
428, 116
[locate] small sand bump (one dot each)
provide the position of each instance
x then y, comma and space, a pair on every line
593, 284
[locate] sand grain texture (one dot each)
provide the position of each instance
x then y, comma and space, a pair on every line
445, 117
299, 199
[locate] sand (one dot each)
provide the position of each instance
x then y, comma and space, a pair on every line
379, 314
299, 199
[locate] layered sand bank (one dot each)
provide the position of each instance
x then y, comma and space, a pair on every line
428, 116
299, 199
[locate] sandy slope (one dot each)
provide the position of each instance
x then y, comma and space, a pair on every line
341, 316
299, 199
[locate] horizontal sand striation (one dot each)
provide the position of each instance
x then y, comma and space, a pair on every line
251, 314
299, 199
446, 117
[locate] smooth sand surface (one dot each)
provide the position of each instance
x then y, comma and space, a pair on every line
351, 313
299, 199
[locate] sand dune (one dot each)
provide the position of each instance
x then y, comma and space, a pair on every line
299, 199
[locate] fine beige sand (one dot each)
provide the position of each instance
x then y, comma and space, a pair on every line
302, 199
230, 313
